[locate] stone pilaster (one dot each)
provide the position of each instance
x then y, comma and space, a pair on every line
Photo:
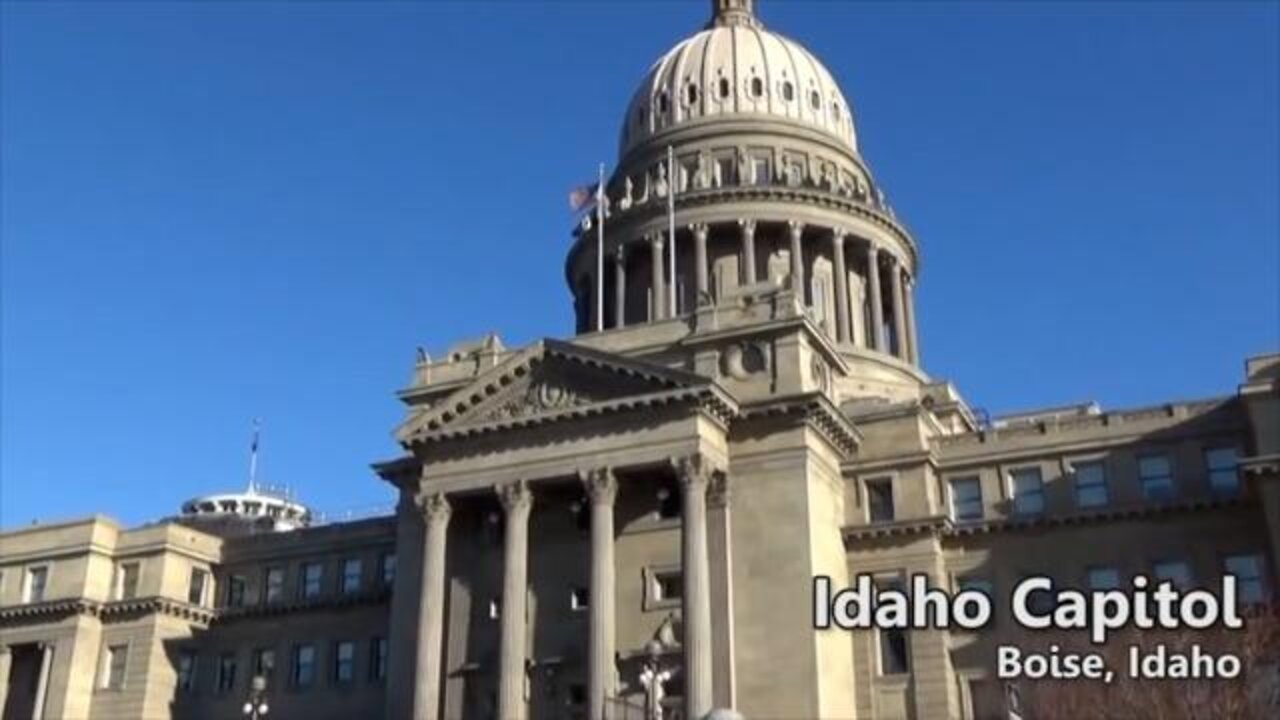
620, 287
720, 558
659, 283
899, 302
749, 275
42, 682
517, 501
6, 658
796, 229
909, 302
875, 338
842, 286
701, 271
602, 490
694, 474
429, 674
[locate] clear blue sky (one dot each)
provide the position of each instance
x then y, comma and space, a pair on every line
216, 211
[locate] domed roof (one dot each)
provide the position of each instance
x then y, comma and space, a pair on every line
735, 68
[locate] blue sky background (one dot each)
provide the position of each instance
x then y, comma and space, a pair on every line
216, 211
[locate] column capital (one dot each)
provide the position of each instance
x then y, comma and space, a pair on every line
514, 495
433, 506
838, 234
719, 491
620, 254
655, 238
748, 225
693, 470
699, 230
796, 228
600, 484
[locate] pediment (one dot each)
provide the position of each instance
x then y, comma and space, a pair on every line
552, 380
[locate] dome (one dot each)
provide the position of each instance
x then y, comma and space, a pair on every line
736, 69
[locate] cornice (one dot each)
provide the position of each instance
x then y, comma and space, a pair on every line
815, 410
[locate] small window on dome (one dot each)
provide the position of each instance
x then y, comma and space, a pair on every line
724, 87
691, 94
816, 100
835, 111
664, 102
788, 91
757, 87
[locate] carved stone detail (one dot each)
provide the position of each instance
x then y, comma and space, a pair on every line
719, 491
514, 495
600, 484
434, 506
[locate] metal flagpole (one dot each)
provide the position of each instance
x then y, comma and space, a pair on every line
671, 223
253, 458
600, 251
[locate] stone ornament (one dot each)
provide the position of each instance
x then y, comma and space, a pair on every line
433, 506
718, 491
514, 495
600, 484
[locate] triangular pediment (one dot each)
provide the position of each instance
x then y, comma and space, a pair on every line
551, 380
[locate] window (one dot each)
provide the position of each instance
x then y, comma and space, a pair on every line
304, 665
1156, 476
663, 587
309, 577
37, 578
788, 91
274, 585
894, 658
760, 170
196, 586
691, 94
579, 599
187, 671
1174, 571
344, 662
973, 582
815, 100
389, 569
226, 673
264, 663
880, 500
724, 87
127, 581
663, 102
835, 111
351, 571
757, 87
1091, 484
1028, 491
378, 659
1103, 578
966, 499
1248, 572
1223, 476
114, 664
235, 591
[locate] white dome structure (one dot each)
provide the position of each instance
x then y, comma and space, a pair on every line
736, 67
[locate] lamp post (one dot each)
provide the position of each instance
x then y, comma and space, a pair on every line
255, 707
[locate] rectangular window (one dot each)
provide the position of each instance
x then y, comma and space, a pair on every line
235, 591
187, 671
127, 581
114, 665
668, 585
880, 500
966, 499
759, 171
226, 673
389, 569
344, 662
894, 656
1028, 491
1248, 572
378, 659
578, 599
1156, 476
1174, 571
352, 569
264, 663
1091, 484
196, 586
37, 578
309, 580
304, 665
1224, 478
274, 585
1104, 578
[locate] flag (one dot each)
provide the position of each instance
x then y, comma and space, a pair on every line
583, 197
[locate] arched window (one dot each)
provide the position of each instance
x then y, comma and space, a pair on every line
664, 103
757, 87
835, 111
816, 100
724, 87
788, 91
691, 94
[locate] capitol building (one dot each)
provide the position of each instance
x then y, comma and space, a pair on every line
626, 524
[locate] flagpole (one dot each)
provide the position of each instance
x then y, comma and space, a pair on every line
600, 251
253, 459
671, 222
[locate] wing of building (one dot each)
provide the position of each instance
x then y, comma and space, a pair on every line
634, 517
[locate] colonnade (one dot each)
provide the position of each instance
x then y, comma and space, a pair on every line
601, 488
890, 306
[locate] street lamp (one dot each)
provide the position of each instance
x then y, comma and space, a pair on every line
256, 706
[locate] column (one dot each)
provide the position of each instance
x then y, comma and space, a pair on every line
6, 658
620, 287
694, 474
899, 317
720, 559
909, 293
701, 270
748, 227
659, 283
602, 489
797, 259
430, 660
875, 338
516, 502
42, 684
842, 286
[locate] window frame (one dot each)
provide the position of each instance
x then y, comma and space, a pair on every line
44, 570
884, 636
880, 481
1013, 474
344, 588
1168, 476
296, 665
224, 681
952, 506
268, 586
1078, 489
1211, 471
304, 581
126, 571
654, 577
336, 676
108, 678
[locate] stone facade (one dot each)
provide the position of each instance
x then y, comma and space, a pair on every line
637, 515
